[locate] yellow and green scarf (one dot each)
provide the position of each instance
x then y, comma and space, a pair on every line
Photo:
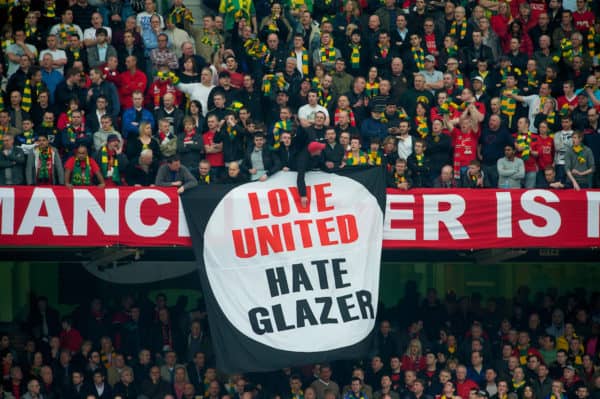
578, 150
328, 54
81, 176
361, 159
106, 161
371, 89
508, 106
355, 56
422, 127
454, 29
26, 100
29, 136
51, 11
375, 157
418, 57
524, 142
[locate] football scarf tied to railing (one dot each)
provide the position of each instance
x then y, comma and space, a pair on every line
285, 284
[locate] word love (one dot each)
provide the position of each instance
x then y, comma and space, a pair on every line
292, 232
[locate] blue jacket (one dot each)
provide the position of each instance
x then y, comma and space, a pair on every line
129, 129
370, 129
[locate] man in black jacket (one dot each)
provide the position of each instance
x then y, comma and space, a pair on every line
309, 158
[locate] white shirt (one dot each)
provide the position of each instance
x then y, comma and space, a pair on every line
308, 112
405, 147
57, 54
17, 50
56, 31
143, 20
90, 33
198, 92
299, 62
534, 103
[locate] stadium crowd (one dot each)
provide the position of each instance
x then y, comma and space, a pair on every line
423, 348
439, 93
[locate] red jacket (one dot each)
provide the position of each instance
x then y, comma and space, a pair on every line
128, 83
463, 388
157, 90
70, 340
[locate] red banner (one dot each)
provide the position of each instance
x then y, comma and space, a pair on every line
479, 219
433, 219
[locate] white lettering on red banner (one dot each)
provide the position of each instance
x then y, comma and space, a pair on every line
435, 219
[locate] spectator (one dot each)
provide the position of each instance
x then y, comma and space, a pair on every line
511, 170
173, 174
81, 169
12, 162
260, 162
579, 163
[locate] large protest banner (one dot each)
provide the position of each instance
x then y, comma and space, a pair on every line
286, 284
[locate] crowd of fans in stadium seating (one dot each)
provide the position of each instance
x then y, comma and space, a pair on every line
546, 347
439, 93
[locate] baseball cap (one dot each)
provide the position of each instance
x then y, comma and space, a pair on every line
315, 146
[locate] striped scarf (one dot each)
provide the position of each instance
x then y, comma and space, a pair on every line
81, 174
255, 48
524, 142
327, 54
355, 56
454, 30
532, 80
420, 159
304, 60
51, 11
324, 100
418, 57
505, 71
375, 157
371, 89
109, 162
399, 179
26, 101
30, 30
508, 106
566, 49
44, 165
181, 14
270, 81
459, 81
452, 51
592, 39
64, 31
280, 127
360, 159
422, 127
29, 137
578, 150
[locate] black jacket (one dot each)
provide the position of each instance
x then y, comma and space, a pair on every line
233, 144
15, 161
306, 162
287, 156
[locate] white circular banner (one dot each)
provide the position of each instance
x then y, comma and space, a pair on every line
292, 278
